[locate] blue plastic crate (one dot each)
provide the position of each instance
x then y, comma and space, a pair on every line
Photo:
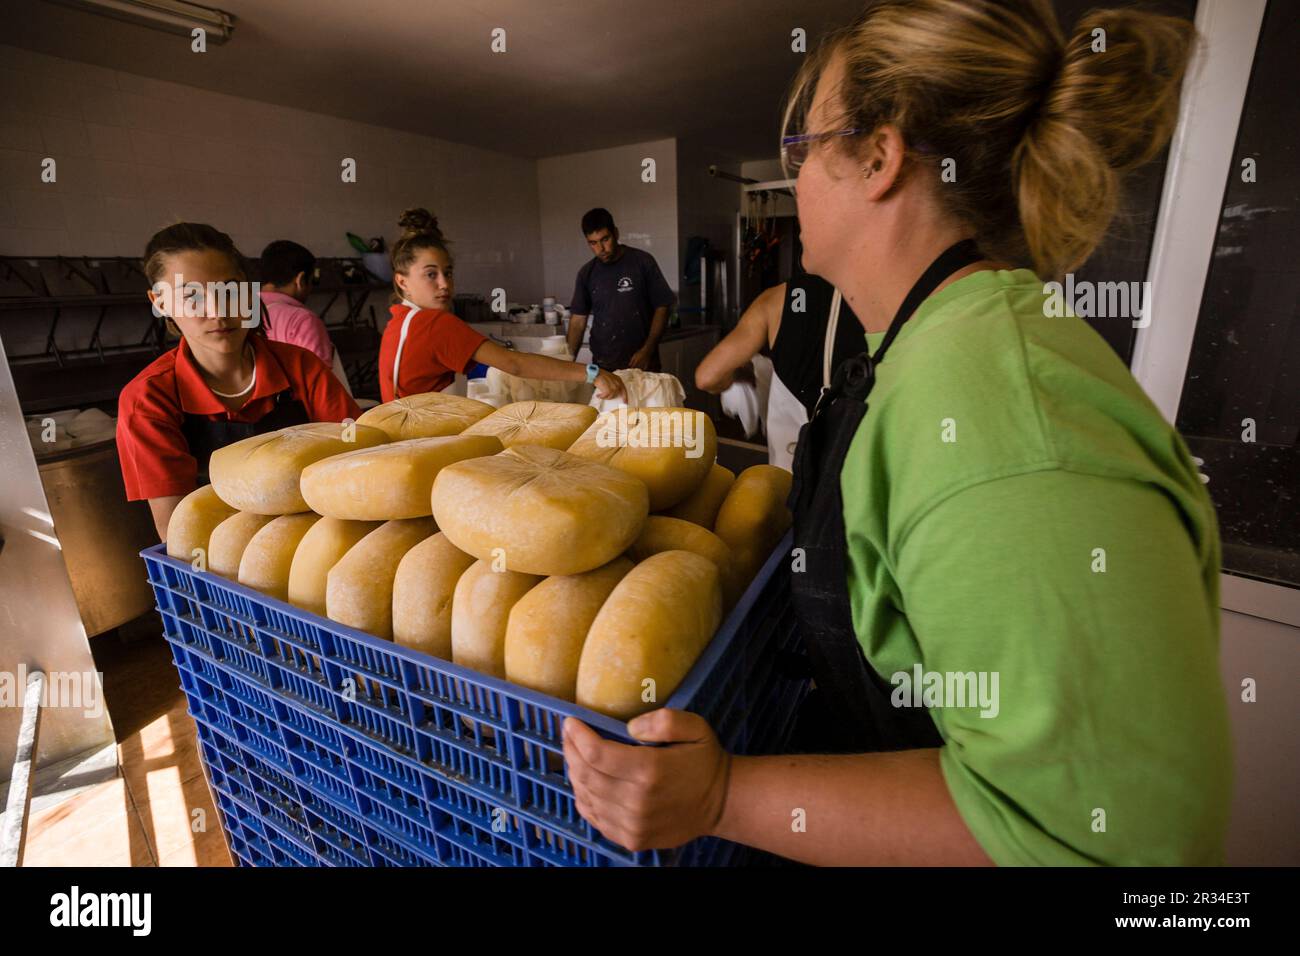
327, 746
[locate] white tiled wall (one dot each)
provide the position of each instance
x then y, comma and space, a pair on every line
646, 213
134, 154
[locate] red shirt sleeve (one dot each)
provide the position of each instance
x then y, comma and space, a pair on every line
454, 342
155, 457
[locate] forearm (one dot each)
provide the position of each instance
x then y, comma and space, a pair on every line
885, 809
532, 365
715, 373
161, 509
577, 326
658, 323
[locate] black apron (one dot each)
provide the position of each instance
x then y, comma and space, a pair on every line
850, 709
205, 435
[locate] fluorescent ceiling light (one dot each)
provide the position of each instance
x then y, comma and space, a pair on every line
174, 16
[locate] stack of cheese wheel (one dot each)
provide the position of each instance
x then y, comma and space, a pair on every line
261, 474
671, 450
753, 517
528, 515
286, 509
391, 481
230, 538
701, 505
538, 510
359, 588
649, 633
192, 522
549, 424
430, 415
520, 542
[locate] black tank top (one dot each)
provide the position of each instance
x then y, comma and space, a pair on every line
797, 352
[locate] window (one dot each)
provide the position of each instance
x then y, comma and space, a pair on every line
1240, 405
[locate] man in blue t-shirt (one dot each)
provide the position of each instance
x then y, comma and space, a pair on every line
625, 293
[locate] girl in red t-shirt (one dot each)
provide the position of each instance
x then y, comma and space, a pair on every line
222, 383
424, 345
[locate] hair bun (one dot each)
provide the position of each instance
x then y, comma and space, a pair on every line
419, 221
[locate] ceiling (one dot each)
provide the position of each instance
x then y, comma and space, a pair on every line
576, 74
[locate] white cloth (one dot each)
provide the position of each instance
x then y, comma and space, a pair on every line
644, 390
740, 400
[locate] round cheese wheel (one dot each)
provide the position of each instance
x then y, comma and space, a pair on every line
670, 449
192, 522
701, 506
549, 424
230, 538
429, 415
480, 610
261, 474
753, 516
649, 633
322, 547
422, 592
266, 561
673, 534
390, 481
359, 589
549, 625
547, 511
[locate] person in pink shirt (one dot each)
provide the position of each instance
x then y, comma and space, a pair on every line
287, 271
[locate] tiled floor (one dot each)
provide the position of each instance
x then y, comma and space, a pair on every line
159, 811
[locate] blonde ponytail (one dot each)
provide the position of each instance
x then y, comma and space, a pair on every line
1108, 111
1038, 129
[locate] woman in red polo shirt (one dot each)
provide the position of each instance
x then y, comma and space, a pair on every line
223, 383
424, 345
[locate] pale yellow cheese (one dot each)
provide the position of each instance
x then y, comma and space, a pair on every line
670, 449
480, 610
230, 538
540, 510
662, 533
549, 424
754, 516
359, 588
261, 474
266, 561
701, 506
391, 481
649, 633
422, 592
322, 547
192, 522
549, 625
428, 415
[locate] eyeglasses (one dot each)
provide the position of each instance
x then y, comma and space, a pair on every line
794, 149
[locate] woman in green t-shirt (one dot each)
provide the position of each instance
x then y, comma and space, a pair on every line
1016, 655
